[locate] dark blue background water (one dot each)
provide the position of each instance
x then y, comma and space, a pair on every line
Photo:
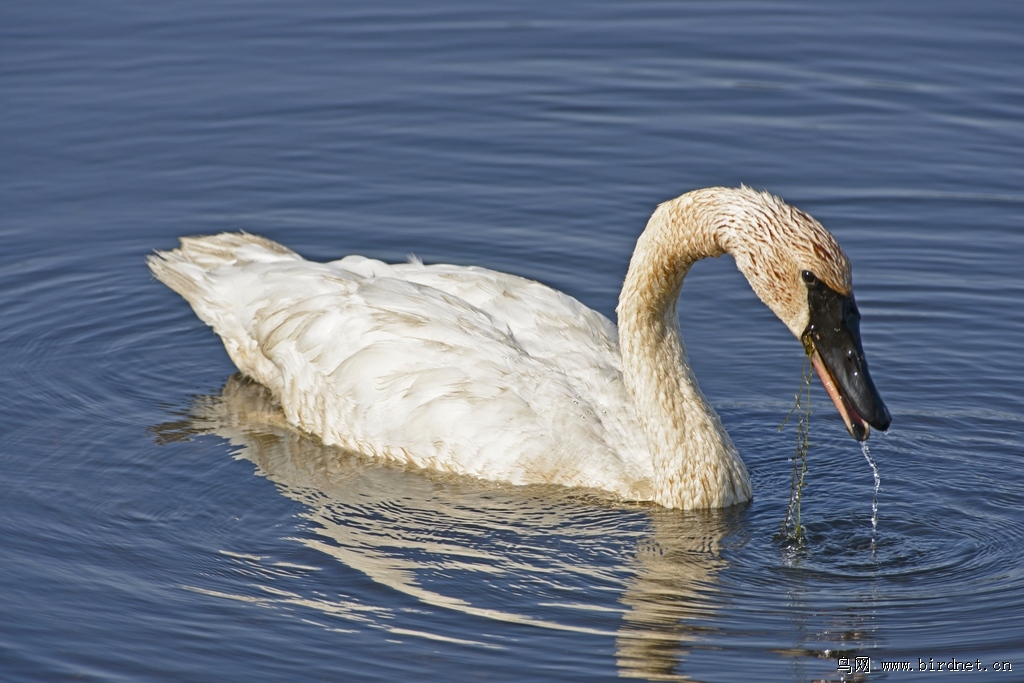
159, 522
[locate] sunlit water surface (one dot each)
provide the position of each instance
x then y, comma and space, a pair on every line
161, 522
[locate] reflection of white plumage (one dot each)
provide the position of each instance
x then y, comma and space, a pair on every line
472, 371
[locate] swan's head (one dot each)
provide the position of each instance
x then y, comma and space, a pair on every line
799, 271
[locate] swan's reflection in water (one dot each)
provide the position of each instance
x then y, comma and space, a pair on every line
670, 598
543, 557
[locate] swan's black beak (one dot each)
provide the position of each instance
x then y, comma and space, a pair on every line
832, 338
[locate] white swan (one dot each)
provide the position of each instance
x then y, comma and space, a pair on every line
468, 370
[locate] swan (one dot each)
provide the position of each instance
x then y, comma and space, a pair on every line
476, 372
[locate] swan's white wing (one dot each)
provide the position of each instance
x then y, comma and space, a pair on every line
393, 361
545, 323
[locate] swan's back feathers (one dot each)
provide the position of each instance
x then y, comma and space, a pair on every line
443, 367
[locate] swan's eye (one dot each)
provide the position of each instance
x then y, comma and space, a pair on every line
809, 278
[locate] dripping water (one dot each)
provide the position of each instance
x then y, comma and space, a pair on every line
792, 528
874, 496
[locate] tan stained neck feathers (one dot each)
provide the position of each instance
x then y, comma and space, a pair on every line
695, 461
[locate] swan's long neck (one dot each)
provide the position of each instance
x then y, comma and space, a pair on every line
695, 462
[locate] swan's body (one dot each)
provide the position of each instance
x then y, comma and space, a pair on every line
477, 372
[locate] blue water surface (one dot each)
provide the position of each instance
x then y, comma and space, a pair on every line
160, 522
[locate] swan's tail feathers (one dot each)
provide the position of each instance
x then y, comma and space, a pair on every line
233, 246
175, 271
210, 274
186, 268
